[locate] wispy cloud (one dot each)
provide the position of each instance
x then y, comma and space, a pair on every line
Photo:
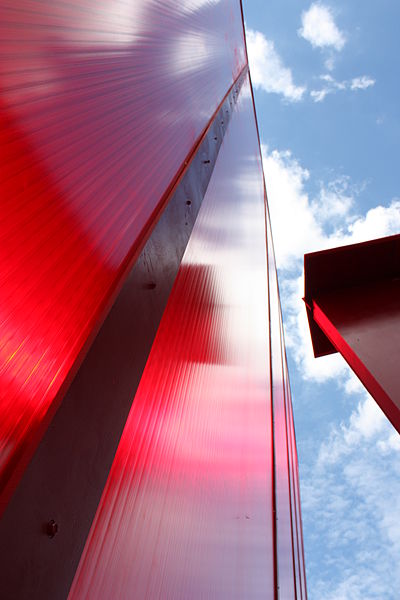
344, 510
319, 95
331, 86
270, 74
346, 513
301, 224
267, 69
319, 28
348, 521
361, 83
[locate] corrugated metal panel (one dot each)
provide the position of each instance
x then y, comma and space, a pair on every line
352, 299
77, 451
289, 536
101, 102
284, 521
187, 509
296, 504
298, 550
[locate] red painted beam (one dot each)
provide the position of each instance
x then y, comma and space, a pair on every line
353, 301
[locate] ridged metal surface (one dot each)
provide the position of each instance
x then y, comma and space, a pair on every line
77, 450
289, 540
187, 509
101, 101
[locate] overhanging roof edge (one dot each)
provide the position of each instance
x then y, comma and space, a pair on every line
343, 267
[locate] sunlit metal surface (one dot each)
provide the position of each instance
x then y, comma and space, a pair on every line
289, 545
76, 452
101, 101
187, 511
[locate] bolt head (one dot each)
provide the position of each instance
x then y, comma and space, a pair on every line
51, 528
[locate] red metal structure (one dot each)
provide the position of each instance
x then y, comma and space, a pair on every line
146, 434
352, 298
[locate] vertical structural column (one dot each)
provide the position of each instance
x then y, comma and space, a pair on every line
187, 509
289, 544
352, 299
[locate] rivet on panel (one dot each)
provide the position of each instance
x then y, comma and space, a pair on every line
51, 528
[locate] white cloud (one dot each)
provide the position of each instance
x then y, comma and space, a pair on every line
365, 422
331, 86
270, 74
289, 206
267, 69
350, 486
330, 63
391, 443
362, 83
298, 339
320, 95
378, 222
334, 202
303, 224
346, 512
319, 28
339, 85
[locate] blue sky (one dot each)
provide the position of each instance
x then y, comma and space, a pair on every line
326, 87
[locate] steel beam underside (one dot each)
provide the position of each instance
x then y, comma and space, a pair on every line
353, 304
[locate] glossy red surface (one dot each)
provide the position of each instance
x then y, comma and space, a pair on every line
289, 548
187, 509
344, 267
101, 102
363, 323
352, 296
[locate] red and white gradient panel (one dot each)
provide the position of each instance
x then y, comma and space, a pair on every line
101, 102
187, 511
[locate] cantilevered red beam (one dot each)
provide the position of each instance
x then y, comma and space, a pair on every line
352, 296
